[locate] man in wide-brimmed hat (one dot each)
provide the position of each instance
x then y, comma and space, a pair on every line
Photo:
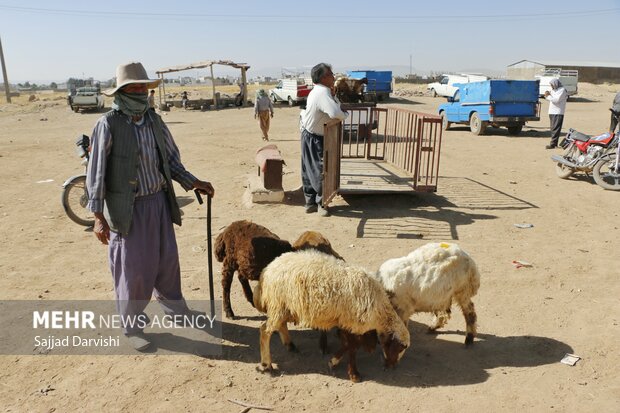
133, 162
263, 109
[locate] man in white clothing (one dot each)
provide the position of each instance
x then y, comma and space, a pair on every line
320, 108
557, 98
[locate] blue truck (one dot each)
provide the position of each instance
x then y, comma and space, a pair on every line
496, 103
379, 84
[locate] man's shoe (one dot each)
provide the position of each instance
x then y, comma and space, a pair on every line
311, 208
138, 341
551, 146
323, 212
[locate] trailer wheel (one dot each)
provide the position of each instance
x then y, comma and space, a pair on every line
477, 126
515, 129
445, 125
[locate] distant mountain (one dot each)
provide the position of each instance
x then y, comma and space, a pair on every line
397, 70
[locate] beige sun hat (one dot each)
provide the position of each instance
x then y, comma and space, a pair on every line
131, 73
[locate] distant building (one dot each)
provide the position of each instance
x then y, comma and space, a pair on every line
593, 72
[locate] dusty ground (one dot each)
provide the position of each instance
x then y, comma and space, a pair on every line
528, 318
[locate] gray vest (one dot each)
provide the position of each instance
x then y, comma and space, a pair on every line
121, 178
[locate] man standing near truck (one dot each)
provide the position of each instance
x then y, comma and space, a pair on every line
320, 109
557, 98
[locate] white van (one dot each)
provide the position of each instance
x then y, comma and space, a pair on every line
445, 86
568, 78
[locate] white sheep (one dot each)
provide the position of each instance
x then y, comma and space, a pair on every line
429, 279
319, 291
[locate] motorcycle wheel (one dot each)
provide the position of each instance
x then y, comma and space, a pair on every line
604, 175
74, 200
563, 171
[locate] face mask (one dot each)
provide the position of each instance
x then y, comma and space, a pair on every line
131, 104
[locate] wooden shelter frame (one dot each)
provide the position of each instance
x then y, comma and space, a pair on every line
201, 65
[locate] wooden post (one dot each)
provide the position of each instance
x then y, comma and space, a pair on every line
5, 76
245, 87
162, 89
213, 86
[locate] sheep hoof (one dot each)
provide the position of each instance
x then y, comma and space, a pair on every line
292, 347
230, 315
265, 368
355, 377
469, 339
432, 330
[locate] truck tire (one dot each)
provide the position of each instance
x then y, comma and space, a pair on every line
76, 109
477, 126
445, 125
274, 99
515, 129
433, 93
291, 102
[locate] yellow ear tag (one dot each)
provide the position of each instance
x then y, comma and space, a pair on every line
444, 245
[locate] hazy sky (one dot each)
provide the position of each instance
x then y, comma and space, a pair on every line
54, 40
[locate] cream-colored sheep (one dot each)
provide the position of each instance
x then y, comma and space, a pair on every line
429, 279
316, 290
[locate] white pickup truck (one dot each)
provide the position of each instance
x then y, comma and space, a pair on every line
445, 86
291, 91
87, 98
568, 78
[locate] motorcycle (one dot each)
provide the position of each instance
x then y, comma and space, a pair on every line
606, 171
582, 152
74, 194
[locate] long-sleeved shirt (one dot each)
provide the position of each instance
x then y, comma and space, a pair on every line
321, 107
262, 104
557, 101
150, 179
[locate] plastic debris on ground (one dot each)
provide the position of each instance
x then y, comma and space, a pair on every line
570, 359
520, 264
523, 226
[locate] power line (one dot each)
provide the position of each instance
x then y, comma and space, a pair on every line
313, 18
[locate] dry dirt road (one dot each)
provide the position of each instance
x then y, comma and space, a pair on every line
567, 302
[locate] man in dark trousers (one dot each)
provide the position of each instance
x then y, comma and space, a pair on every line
133, 162
320, 108
557, 98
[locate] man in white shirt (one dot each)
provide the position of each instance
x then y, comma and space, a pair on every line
320, 108
557, 98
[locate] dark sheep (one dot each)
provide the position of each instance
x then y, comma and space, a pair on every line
247, 248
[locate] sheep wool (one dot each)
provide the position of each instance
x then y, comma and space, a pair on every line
315, 290
429, 279
319, 291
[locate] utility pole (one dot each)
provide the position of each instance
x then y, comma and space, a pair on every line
410, 65
6, 77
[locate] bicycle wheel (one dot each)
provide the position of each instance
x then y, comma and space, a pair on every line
74, 201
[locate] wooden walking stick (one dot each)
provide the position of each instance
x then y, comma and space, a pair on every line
209, 254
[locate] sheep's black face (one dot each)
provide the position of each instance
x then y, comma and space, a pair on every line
393, 349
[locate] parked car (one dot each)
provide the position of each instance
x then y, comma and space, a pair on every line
290, 90
568, 78
87, 98
498, 103
446, 86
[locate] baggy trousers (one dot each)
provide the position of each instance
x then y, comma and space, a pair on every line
556, 128
264, 120
312, 167
145, 261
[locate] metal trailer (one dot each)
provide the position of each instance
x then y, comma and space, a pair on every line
381, 150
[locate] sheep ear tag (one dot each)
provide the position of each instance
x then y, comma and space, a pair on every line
444, 245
